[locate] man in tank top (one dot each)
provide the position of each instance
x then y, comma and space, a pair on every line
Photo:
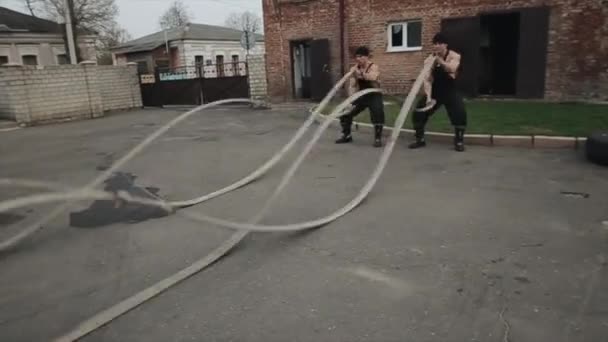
365, 75
440, 89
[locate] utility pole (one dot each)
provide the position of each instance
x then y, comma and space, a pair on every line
70, 31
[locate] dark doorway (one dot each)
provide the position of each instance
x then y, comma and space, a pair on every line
499, 48
320, 69
463, 37
301, 69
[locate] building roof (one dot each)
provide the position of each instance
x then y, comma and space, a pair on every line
13, 21
17, 22
190, 32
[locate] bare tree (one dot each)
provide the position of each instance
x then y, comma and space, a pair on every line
30, 4
110, 39
93, 15
175, 16
244, 21
96, 16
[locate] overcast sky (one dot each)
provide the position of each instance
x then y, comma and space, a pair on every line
140, 17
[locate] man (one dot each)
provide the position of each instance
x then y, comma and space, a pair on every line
440, 89
365, 75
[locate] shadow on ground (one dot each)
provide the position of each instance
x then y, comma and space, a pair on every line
106, 212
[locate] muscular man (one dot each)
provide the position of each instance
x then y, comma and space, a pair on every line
440, 89
365, 75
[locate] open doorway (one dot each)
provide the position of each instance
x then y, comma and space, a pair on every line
499, 47
301, 69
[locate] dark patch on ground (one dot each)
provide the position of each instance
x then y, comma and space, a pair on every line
494, 261
575, 194
523, 280
106, 212
108, 160
540, 244
6, 219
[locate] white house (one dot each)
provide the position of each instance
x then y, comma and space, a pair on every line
28, 40
211, 47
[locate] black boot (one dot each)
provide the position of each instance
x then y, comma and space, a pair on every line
459, 139
346, 134
378, 135
420, 142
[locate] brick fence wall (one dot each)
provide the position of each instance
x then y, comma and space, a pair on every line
119, 87
32, 95
257, 77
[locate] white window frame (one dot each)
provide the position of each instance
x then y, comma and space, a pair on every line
389, 37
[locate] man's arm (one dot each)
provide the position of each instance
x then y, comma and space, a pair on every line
428, 89
452, 63
352, 85
372, 74
428, 86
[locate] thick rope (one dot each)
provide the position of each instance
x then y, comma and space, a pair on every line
39, 224
272, 161
84, 194
132, 302
35, 227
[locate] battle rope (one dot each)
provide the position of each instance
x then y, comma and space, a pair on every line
127, 305
81, 194
35, 227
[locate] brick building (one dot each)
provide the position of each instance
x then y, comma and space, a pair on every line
552, 49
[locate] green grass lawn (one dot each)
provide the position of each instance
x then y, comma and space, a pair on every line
512, 117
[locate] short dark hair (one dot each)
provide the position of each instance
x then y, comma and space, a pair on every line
440, 38
362, 51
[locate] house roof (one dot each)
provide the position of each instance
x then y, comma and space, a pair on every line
13, 21
17, 22
190, 32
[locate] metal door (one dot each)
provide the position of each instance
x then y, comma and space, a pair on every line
320, 69
532, 59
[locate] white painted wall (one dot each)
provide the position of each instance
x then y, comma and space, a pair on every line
46, 47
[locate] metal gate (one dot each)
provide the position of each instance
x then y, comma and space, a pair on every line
195, 85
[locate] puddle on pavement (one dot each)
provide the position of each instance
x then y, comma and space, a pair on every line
107, 212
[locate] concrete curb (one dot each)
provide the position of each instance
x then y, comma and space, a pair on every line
520, 141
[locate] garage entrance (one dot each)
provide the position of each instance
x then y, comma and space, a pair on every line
503, 53
499, 44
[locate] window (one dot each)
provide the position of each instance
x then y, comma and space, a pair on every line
162, 63
198, 60
3, 60
219, 61
142, 67
235, 64
405, 36
62, 59
29, 59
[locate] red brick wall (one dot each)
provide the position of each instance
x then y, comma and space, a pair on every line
300, 21
577, 61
